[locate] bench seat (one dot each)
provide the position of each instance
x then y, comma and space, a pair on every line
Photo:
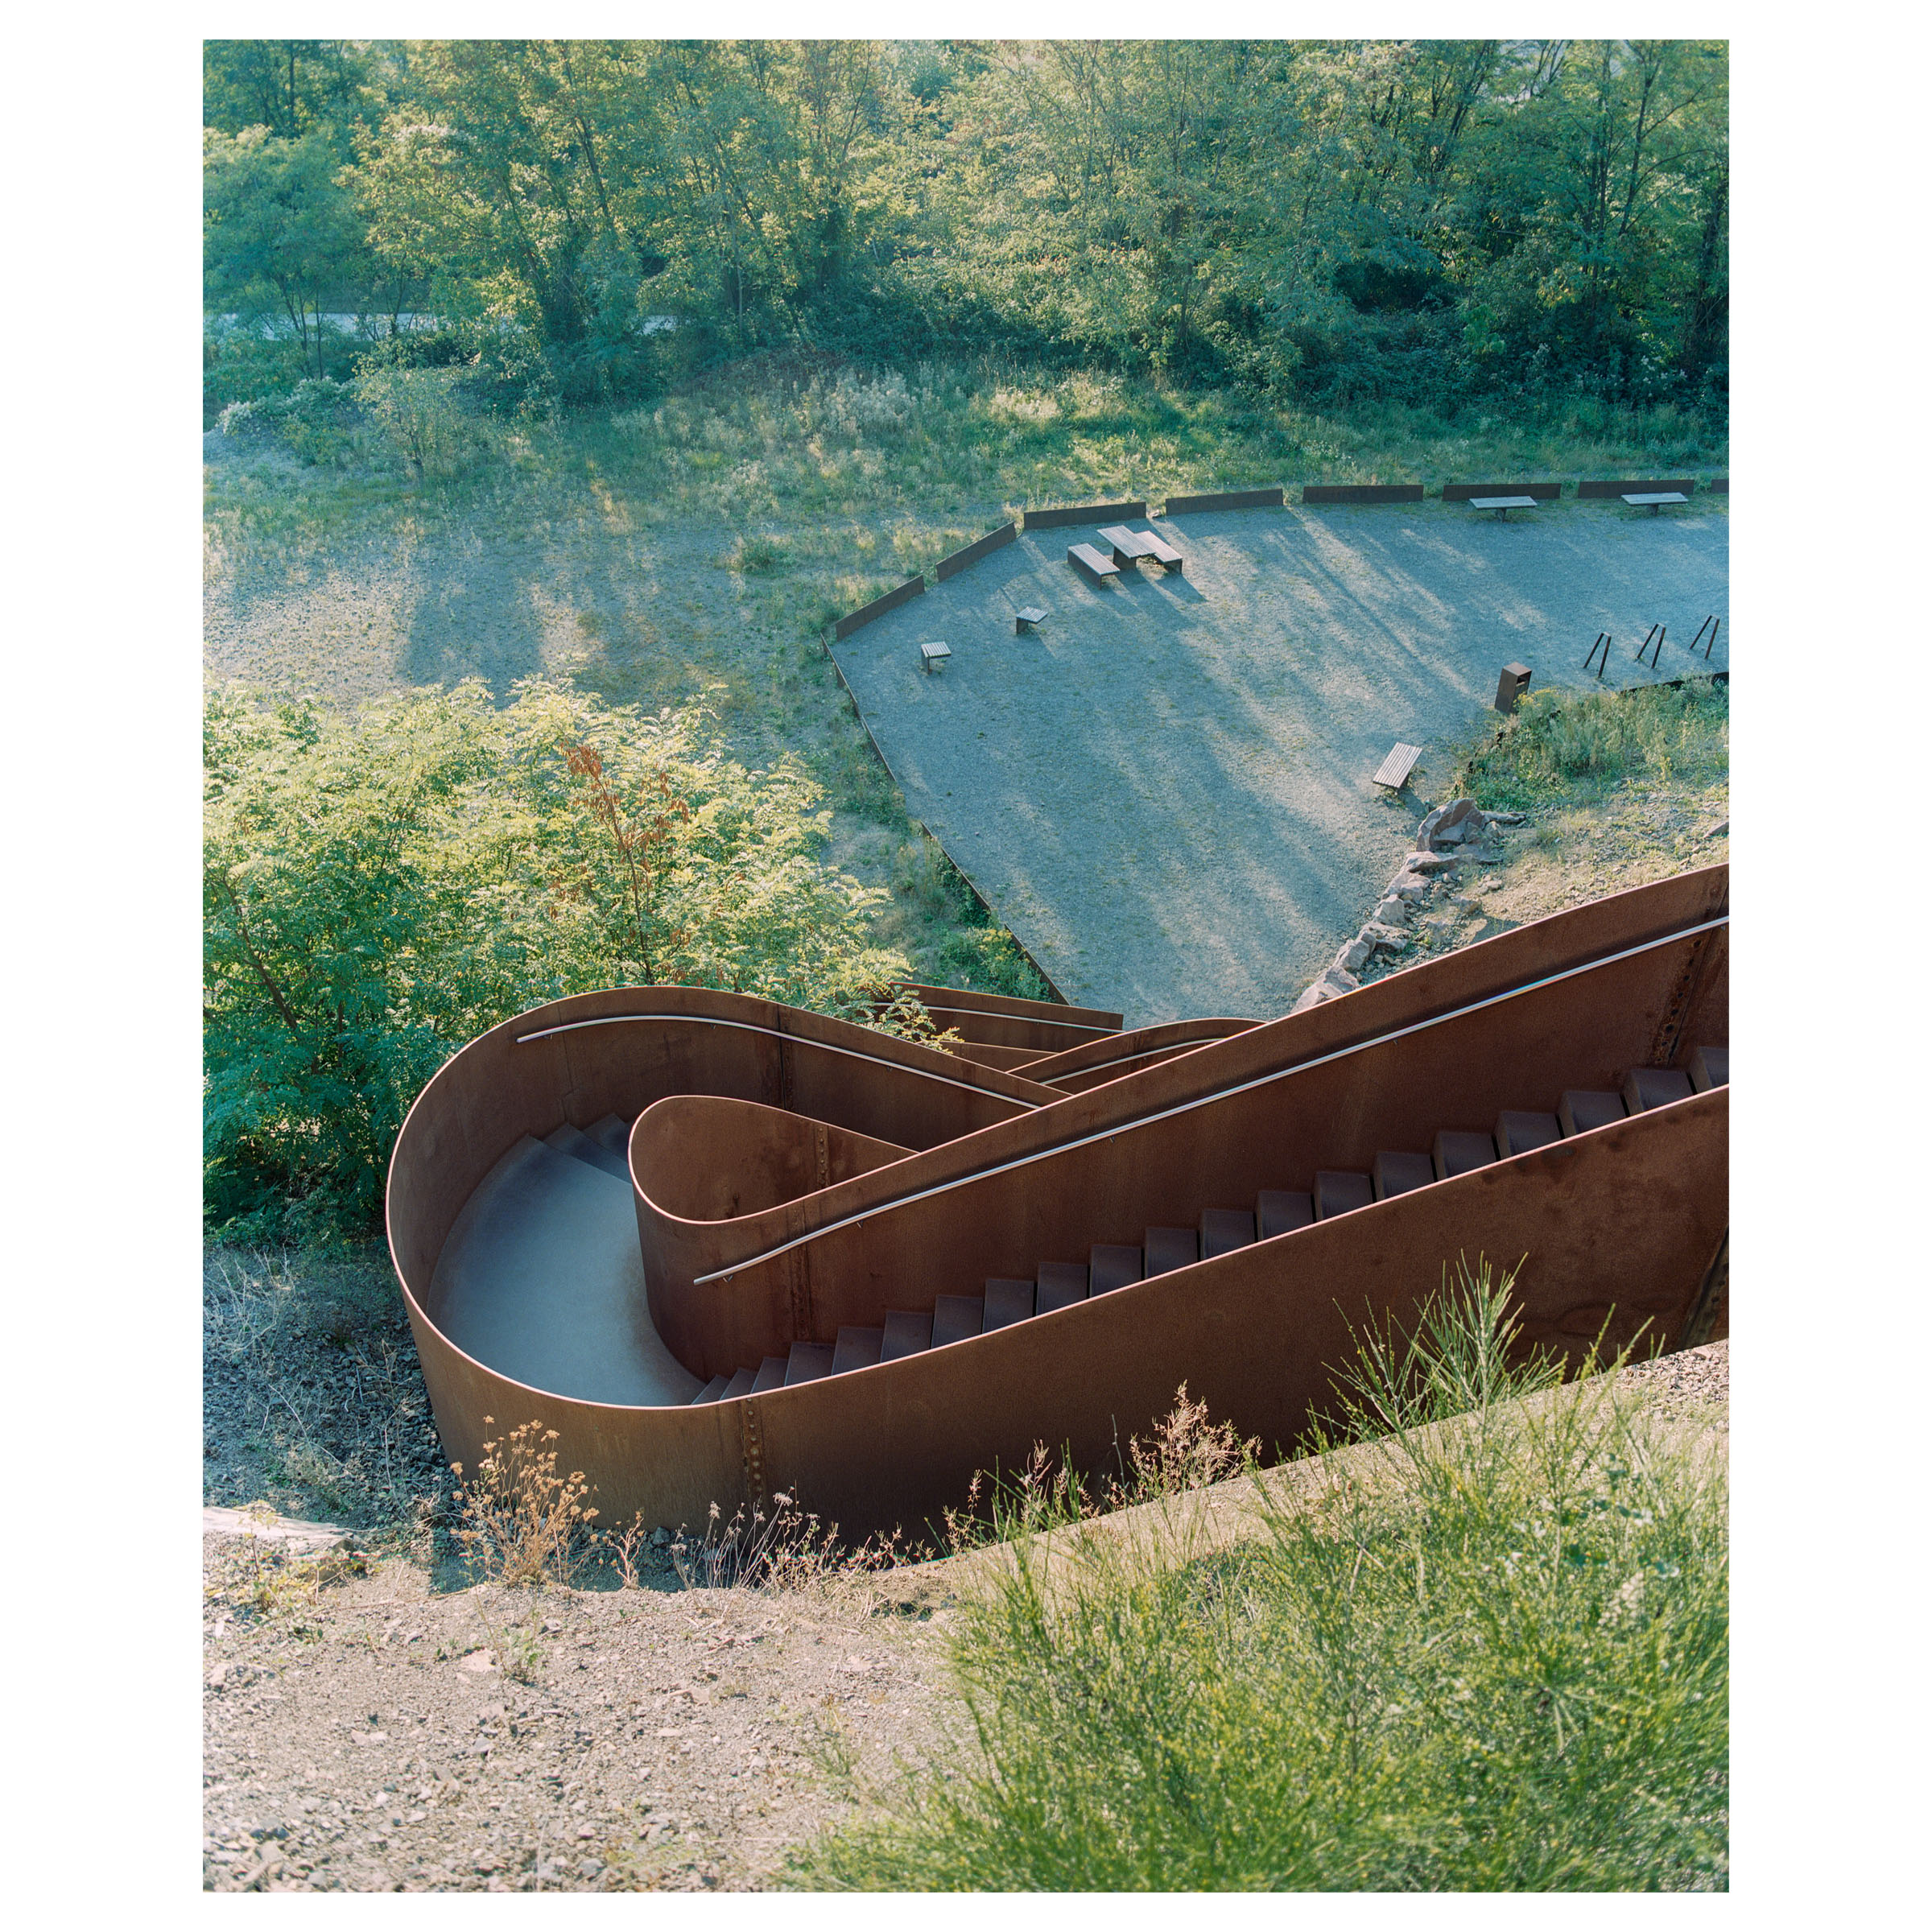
933, 655
1096, 568
1396, 766
1653, 500
1502, 506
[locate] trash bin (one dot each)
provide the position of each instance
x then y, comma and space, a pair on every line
1511, 686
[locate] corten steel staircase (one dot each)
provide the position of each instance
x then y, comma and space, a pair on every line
727, 1248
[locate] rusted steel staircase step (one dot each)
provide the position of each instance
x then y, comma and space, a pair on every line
1580, 1113
1648, 1087
1224, 1229
771, 1375
1112, 1265
1061, 1284
712, 1389
1277, 1212
905, 1334
1007, 1301
1518, 1133
741, 1384
808, 1361
1397, 1173
857, 1348
1167, 1248
1456, 1152
954, 1317
1710, 1067
1341, 1194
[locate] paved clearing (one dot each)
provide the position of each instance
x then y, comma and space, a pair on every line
1165, 793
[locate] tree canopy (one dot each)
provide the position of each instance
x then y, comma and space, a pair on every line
1313, 218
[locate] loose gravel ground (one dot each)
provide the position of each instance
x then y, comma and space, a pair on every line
1166, 795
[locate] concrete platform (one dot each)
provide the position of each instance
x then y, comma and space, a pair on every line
1165, 793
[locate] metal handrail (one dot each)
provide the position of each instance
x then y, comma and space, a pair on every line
1208, 1099
981, 1012
851, 1053
1174, 1048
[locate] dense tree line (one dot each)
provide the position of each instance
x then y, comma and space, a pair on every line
1415, 220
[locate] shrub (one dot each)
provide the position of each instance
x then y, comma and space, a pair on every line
315, 420
379, 889
422, 417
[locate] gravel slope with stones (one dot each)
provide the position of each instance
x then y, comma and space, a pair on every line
367, 1731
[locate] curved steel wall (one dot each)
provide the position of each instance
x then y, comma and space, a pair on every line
1006, 1170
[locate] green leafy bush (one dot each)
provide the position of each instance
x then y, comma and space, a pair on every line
422, 418
1486, 1649
379, 889
315, 420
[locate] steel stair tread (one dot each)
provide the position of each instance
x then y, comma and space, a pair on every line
1520, 1132
857, 1348
1224, 1229
1710, 1066
1395, 1173
1166, 1248
1338, 1193
1278, 1211
1060, 1285
1581, 1112
1458, 1152
905, 1333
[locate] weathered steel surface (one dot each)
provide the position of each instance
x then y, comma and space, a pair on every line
1068, 514
913, 587
751, 1141
993, 540
1361, 493
1224, 499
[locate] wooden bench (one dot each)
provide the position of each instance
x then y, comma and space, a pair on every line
933, 655
1096, 568
1502, 506
1129, 546
1397, 766
1026, 620
1653, 500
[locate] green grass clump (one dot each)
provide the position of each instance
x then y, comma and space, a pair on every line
1558, 745
1487, 1654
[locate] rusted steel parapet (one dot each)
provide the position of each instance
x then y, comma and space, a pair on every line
792, 1175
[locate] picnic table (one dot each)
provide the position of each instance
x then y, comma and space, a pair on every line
1502, 506
1653, 500
1130, 545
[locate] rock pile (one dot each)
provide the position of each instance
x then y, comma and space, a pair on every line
1460, 833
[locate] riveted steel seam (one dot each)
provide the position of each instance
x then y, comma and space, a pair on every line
1208, 1099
